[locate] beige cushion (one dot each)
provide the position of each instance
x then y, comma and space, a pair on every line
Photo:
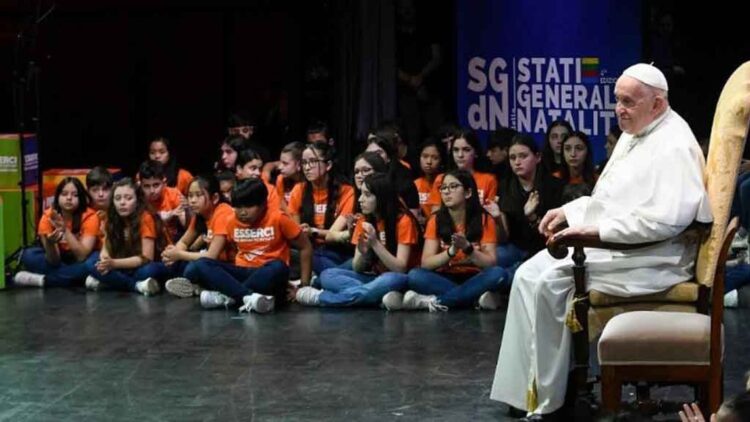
656, 338
686, 292
599, 316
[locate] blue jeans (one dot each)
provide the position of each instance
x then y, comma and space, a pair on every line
342, 287
324, 258
236, 282
736, 276
125, 279
63, 274
455, 295
510, 257
187, 269
741, 200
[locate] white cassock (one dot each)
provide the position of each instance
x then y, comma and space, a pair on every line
651, 190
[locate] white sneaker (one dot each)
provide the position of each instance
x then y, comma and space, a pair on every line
731, 299
93, 284
28, 279
490, 301
211, 299
181, 287
309, 296
257, 302
393, 301
414, 301
147, 287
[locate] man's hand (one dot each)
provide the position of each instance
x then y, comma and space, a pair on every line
551, 220
574, 231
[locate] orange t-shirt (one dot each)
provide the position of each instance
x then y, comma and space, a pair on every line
148, 226
486, 188
284, 194
424, 189
273, 200
263, 241
216, 225
171, 199
575, 180
344, 206
89, 226
183, 181
406, 234
461, 264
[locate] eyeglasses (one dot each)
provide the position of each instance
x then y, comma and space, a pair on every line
310, 163
450, 188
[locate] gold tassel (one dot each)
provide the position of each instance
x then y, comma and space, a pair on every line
531, 399
571, 320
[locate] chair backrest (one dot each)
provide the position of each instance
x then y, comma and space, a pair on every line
728, 134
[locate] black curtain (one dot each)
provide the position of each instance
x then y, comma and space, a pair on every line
365, 68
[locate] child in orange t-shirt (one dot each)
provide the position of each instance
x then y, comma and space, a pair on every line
260, 273
158, 150
430, 163
386, 240
317, 203
134, 238
250, 166
67, 232
99, 186
168, 202
205, 237
290, 170
458, 260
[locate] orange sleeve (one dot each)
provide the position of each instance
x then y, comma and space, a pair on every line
488, 230
175, 198
434, 199
221, 222
280, 185
346, 201
406, 231
90, 224
431, 231
295, 199
273, 200
357, 231
148, 226
289, 228
45, 225
183, 180
491, 192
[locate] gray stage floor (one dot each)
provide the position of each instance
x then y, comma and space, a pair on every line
72, 355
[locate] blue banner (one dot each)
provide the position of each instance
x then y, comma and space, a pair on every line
524, 64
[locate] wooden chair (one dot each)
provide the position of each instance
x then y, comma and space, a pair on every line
593, 309
673, 347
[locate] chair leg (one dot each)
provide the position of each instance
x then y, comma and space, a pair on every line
611, 389
715, 392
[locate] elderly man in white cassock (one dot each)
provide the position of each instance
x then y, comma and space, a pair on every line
651, 190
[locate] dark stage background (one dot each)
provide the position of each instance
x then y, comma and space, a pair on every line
113, 75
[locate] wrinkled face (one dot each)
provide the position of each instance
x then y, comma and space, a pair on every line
288, 166
453, 193
463, 154
249, 215
609, 146
523, 161
68, 198
251, 170
362, 169
228, 156
153, 188
636, 105
157, 151
373, 147
100, 196
429, 160
197, 198
313, 166
367, 201
575, 152
497, 155
556, 135
125, 200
